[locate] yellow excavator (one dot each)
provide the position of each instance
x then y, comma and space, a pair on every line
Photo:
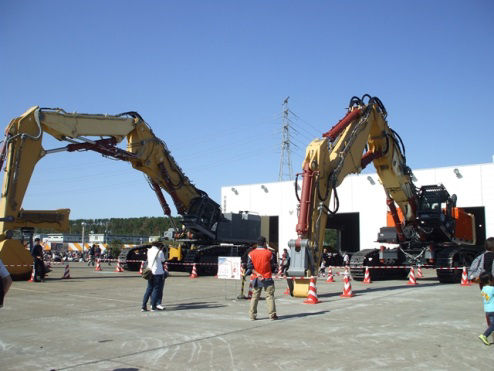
425, 223
22, 148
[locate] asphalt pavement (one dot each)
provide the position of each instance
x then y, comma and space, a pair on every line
93, 322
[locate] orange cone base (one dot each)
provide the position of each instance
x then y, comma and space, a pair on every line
311, 300
350, 295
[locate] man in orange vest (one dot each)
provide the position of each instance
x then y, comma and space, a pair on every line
260, 265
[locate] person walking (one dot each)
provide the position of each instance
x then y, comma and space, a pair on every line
5, 282
92, 251
285, 262
483, 262
154, 290
261, 263
346, 259
487, 282
39, 265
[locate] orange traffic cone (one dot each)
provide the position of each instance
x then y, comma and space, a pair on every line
194, 272
312, 296
347, 273
66, 273
32, 276
278, 274
419, 272
464, 278
330, 275
347, 288
141, 268
98, 266
118, 268
367, 278
411, 277
249, 294
287, 291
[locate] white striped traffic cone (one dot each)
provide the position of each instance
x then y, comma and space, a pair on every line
66, 273
419, 272
464, 278
141, 268
411, 278
347, 288
330, 275
118, 268
347, 273
98, 266
367, 278
312, 296
278, 274
32, 276
194, 272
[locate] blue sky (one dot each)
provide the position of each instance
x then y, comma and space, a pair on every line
210, 77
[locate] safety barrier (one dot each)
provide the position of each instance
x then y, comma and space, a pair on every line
215, 264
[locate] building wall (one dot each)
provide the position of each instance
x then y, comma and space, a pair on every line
474, 188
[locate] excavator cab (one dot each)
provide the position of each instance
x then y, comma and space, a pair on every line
202, 215
434, 213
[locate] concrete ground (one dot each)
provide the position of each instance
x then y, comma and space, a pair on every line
93, 322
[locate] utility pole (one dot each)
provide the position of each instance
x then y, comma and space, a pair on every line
285, 161
82, 239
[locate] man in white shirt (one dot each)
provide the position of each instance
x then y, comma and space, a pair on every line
155, 259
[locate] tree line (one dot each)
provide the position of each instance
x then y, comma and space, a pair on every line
142, 226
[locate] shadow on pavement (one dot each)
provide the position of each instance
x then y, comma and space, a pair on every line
300, 315
198, 305
376, 289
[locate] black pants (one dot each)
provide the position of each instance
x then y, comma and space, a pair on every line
39, 269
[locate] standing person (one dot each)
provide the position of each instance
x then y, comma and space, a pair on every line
346, 259
92, 251
39, 265
97, 253
324, 262
483, 262
487, 282
285, 262
155, 260
260, 265
5, 282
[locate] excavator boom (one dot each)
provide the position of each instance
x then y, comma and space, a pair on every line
361, 137
22, 149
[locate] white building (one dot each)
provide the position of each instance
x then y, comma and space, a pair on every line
363, 207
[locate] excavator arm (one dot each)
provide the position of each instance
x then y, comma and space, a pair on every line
361, 137
22, 149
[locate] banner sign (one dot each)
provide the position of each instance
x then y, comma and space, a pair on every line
229, 267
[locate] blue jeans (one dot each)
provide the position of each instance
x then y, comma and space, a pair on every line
490, 329
153, 290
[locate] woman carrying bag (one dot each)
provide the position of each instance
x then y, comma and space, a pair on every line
155, 259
